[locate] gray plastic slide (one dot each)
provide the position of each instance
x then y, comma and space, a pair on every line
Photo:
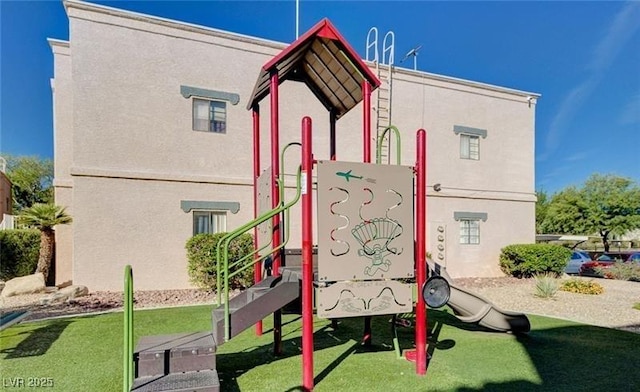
472, 308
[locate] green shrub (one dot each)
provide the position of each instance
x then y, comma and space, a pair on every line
621, 271
546, 285
19, 251
525, 261
575, 285
636, 306
201, 255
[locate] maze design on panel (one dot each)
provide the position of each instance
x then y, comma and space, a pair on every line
365, 221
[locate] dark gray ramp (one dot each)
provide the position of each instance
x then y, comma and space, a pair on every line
472, 308
255, 303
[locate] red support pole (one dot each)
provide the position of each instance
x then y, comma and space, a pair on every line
275, 197
275, 169
257, 267
307, 257
366, 120
366, 136
421, 248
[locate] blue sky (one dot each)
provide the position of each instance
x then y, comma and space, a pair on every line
583, 57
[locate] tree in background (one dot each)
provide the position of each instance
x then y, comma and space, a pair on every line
542, 206
31, 178
605, 205
44, 217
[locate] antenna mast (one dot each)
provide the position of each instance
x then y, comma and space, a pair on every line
413, 52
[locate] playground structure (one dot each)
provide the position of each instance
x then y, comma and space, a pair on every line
371, 230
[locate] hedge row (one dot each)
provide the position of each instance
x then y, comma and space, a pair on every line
525, 261
19, 251
201, 255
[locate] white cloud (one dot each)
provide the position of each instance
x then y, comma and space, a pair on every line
625, 23
622, 28
579, 156
566, 112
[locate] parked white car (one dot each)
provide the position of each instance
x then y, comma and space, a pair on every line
578, 257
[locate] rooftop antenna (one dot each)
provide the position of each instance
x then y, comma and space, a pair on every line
297, 18
413, 52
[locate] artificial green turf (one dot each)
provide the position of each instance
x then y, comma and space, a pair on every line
84, 354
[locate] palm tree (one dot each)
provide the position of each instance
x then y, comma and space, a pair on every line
44, 217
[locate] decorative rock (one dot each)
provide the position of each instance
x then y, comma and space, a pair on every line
52, 298
65, 294
75, 291
29, 284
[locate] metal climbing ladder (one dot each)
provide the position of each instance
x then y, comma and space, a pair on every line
384, 71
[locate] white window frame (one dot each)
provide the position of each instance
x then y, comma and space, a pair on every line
469, 147
470, 231
215, 222
215, 119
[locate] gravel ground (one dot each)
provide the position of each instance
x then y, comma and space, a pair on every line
105, 301
613, 308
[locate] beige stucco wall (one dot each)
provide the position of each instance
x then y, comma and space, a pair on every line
61, 88
508, 222
126, 155
121, 222
506, 155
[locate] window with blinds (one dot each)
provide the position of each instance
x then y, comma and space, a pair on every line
209, 222
469, 147
209, 116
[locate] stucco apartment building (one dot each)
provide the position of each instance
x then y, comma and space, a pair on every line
153, 144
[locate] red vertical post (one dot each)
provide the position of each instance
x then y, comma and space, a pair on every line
366, 139
275, 197
257, 267
421, 248
366, 136
307, 257
366, 120
275, 169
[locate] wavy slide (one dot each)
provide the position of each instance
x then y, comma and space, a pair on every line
472, 308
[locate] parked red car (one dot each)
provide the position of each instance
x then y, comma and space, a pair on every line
606, 260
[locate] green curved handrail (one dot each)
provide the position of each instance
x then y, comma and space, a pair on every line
226, 240
280, 184
398, 145
127, 378
281, 188
249, 256
257, 251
